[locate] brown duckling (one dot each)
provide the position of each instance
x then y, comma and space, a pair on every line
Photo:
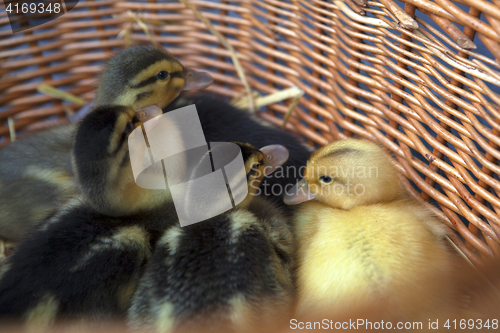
230, 273
36, 174
81, 265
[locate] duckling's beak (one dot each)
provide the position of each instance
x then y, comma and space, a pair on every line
299, 193
274, 157
194, 80
149, 114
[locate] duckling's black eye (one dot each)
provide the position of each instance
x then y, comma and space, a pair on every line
162, 75
326, 179
129, 128
254, 170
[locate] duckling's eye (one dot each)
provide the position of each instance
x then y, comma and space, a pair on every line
255, 167
254, 170
326, 180
129, 128
162, 75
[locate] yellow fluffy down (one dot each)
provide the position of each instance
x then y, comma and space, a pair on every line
372, 252
381, 256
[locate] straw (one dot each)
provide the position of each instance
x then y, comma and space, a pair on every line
229, 47
294, 92
60, 94
125, 33
12, 129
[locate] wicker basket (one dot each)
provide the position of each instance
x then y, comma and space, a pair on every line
407, 75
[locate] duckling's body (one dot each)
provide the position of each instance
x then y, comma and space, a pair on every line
369, 256
36, 174
365, 247
231, 273
82, 265
220, 121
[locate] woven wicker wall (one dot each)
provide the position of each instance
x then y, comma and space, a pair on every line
407, 75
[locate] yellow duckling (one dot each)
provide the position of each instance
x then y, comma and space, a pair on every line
365, 246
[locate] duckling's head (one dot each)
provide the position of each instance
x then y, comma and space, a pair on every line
346, 174
140, 76
257, 163
101, 158
260, 163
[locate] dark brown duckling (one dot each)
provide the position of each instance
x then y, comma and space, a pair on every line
81, 264
36, 174
231, 273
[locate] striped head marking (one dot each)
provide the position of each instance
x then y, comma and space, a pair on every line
140, 76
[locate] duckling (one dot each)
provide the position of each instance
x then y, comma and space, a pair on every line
82, 264
221, 121
231, 273
365, 246
36, 174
